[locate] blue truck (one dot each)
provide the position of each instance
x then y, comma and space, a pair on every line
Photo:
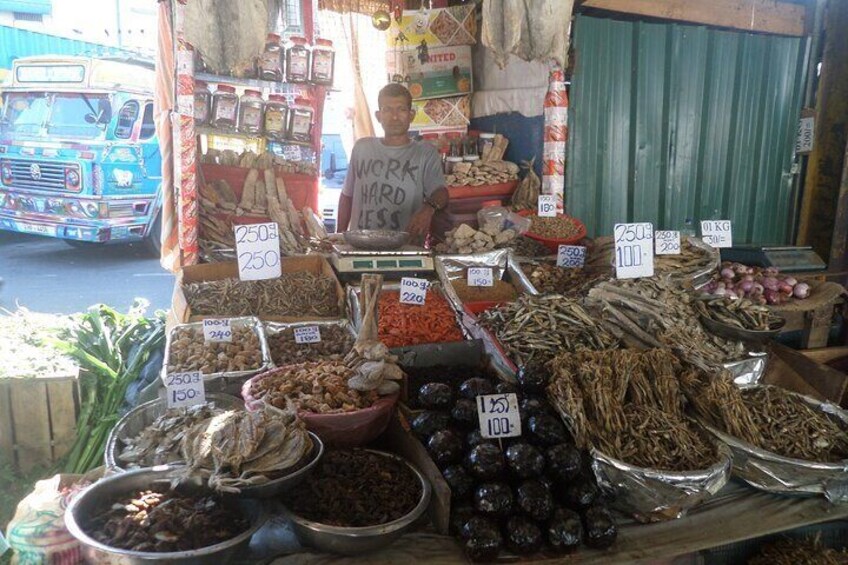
79, 157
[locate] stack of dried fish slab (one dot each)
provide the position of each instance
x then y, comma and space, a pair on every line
237, 448
657, 312
479, 173
536, 328
466, 239
628, 404
159, 443
738, 312
769, 418
293, 294
694, 258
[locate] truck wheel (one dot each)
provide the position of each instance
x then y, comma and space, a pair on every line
153, 241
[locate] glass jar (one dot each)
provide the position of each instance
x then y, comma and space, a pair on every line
224, 108
450, 164
276, 117
469, 152
270, 63
300, 121
202, 103
251, 112
297, 60
485, 144
323, 62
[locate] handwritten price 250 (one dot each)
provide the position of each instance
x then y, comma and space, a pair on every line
254, 233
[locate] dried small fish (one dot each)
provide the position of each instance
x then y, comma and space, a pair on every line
293, 294
691, 260
536, 328
548, 278
739, 312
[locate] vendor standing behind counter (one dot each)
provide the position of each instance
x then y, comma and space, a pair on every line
393, 182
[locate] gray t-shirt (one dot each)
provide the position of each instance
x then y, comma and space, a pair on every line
388, 184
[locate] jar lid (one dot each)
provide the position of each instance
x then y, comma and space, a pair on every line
324, 42
277, 98
297, 39
455, 159
226, 88
273, 37
255, 93
303, 101
487, 135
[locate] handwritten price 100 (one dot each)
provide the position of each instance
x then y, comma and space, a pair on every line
256, 233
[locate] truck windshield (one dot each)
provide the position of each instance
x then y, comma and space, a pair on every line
63, 114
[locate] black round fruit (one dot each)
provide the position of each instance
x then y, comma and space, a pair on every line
493, 499
533, 378
429, 422
599, 526
564, 462
547, 429
475, 438
459, 515
524, 461
579, 494
459, 481
484, 547
565, 530
436, 396
485, 462
475, 525
445, 447
535, 500
522, 536
464, 413
474, 387
533, 406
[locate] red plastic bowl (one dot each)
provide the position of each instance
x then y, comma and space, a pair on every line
553, 244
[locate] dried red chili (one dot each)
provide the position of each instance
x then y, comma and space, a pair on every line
402, 325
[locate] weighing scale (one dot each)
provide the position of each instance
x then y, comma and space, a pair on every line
786, 258
350, 262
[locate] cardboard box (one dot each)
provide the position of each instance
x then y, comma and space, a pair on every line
438, 73
456, 25
181, 313
441, 113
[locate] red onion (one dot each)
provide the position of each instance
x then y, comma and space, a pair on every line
770, 271
711, 287
769, 283
771, 296
801, 290
748, 278
757, 288
746, 286
727, 273
785, 288
790, 280
720, 284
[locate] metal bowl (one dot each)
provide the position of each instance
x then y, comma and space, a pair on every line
735, 332
353, 541
287, 482
92, 499
376, 240
142, 416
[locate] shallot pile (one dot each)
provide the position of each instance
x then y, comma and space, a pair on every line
762, 286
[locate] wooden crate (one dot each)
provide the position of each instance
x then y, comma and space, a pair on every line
38, 417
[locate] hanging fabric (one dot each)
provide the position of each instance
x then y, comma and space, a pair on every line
534, 30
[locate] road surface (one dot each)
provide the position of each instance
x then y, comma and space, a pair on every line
47, 275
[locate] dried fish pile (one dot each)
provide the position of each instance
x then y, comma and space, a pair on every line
164, 522
188, 351
809, 551
536, 328
657, 312
738, 312
336, 342
237, 448
770, 418
320, 387
557, 227
547, 278
479, 173
523, 246
293, 294
628, 404
691, 260
159, 443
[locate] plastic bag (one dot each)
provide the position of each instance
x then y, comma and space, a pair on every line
37, 532
502, 219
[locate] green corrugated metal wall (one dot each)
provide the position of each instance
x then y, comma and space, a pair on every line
669, 122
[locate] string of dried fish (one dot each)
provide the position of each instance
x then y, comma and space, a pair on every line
691, 260
629, 405
188, 351
547, 278
738, 312
293, 294
238, 448
159, 443
656, 312
536, 328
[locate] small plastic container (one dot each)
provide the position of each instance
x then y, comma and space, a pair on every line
225, 103
270, 63
202, 103
450, 164
251, 112
297, 60
485, 143
300, 121
323, 63
276, 117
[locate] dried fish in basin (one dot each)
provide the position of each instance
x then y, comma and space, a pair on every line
293, 294
536, 328
738, 312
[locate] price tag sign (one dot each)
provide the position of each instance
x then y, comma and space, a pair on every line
184, 389
498, 415
307, 334
634, 250
667, 242
413, 291
547, 206
258, 251
717, 233
217, 330
571, 256
481, 276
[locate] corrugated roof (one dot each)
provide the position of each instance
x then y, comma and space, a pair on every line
42, 7
15, 43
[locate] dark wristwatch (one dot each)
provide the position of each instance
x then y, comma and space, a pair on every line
429, 202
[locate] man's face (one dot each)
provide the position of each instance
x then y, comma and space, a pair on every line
394, 115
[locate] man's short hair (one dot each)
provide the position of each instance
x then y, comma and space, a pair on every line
394, 90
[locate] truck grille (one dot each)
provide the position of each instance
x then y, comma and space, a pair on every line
39, 175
